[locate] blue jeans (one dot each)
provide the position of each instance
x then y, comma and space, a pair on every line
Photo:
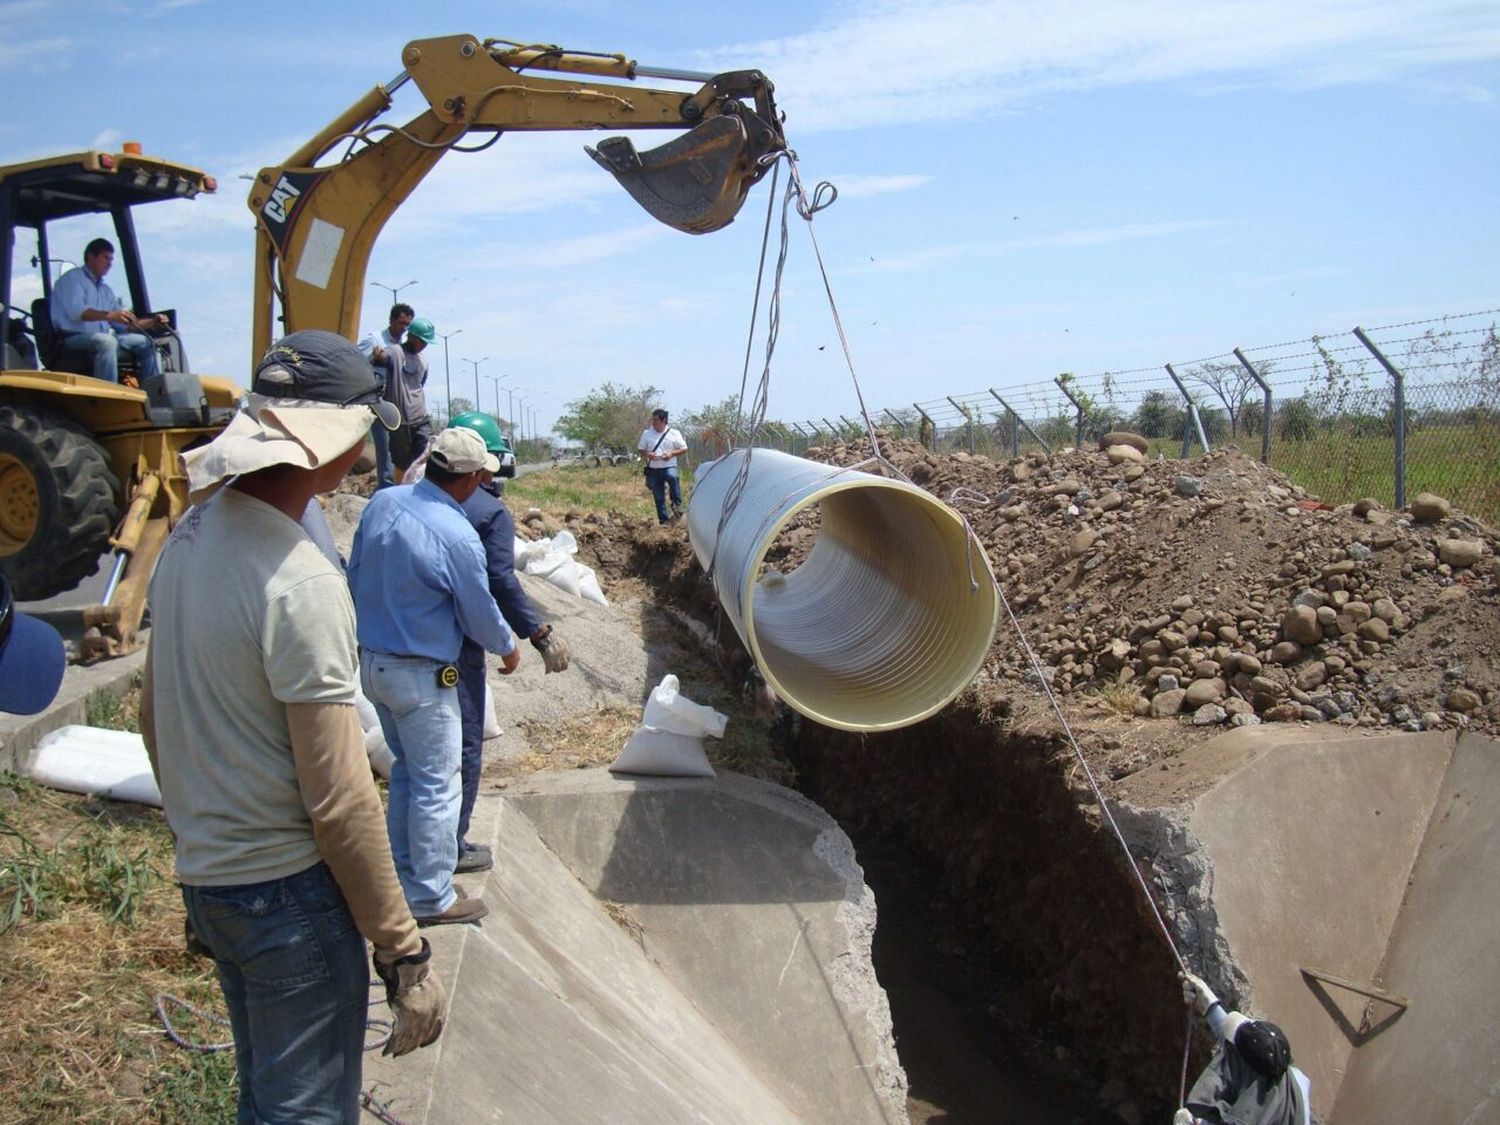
106, 348
293, 971
385, 467
659, 481
421, 724
471, 678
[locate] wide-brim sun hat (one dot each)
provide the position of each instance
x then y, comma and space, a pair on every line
32, 659
314, 396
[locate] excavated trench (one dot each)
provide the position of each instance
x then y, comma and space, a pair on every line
1027, 981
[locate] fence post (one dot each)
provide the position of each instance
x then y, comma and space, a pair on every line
1265, 420
1021, 422
1193, 421
1015, 432
929, 428
896, 420
1399, 381
1078, 426
968, 421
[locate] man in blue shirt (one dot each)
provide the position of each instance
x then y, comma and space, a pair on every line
497, 532
417, 573
88, 316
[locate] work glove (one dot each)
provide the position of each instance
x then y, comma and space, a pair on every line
1183, 1117
1195, 992
416, 997
556, 654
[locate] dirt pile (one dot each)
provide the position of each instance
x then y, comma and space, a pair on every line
1215, 588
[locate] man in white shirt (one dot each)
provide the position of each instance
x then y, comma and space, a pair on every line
659, 447
385, 353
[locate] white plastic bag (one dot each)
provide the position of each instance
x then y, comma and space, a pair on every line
492, 727
668, 709
379, 752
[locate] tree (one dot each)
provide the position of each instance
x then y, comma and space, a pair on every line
1231, 384
458, 405
609, 417
1159, 416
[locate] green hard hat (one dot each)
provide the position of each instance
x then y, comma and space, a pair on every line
422, 329
483, 425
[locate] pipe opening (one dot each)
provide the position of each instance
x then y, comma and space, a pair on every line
886, 620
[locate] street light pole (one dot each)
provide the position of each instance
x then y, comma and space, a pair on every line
496, 380
511, 413
395, 290
447, 378
476, 363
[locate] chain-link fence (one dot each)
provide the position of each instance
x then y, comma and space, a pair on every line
1384, 413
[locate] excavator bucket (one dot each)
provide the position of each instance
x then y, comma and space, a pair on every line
695, 183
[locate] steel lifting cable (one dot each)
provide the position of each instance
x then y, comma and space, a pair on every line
164, 1000
823, 195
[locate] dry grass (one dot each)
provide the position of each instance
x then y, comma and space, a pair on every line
79, 1037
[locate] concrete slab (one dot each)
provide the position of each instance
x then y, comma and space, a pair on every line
1436, 1061
658, 951
1311, 842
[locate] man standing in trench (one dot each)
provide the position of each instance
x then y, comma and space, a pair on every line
248, 717
417, 572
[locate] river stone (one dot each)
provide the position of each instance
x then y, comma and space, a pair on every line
1300, 624
1200, 692
1165, 704
1125, 438
1462, 699
1124, 455
1428, 507
1460, 552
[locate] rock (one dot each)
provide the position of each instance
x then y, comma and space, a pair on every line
1184, 485
1125, 438
1428, 507
1312, 675
1300, 624
1282, 713
1200, 692
1364, 506
1376, 630
1463, 700
1165, 704
1123, 454
1460, 552
1082, 541
1287, 652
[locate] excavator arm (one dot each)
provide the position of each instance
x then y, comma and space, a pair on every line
316, 225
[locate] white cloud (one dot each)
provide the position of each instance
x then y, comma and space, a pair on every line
1084, 237
914, 61
863, 187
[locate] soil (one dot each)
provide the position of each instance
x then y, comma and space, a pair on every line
1163, 601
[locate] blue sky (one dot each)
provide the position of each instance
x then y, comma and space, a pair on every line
1025, 188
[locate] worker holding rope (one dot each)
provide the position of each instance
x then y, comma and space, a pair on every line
1250, 1080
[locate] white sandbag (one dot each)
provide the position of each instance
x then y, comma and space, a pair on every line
98, 762
491, 722
668, 709
368, 719
588, 586
379, 752
564, 543
661, 753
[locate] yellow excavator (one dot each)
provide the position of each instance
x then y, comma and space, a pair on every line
317, 225
88, 468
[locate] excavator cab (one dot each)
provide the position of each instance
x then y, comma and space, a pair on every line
89, 467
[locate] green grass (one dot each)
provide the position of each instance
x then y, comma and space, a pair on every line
615, 488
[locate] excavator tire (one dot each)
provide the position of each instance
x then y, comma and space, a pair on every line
57, 501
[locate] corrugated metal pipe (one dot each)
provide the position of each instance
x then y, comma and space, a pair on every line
881, 625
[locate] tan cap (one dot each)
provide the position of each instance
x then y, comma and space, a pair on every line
460, 450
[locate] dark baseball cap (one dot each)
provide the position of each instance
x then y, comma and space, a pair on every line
322, 366
32, 659
1264, 1046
